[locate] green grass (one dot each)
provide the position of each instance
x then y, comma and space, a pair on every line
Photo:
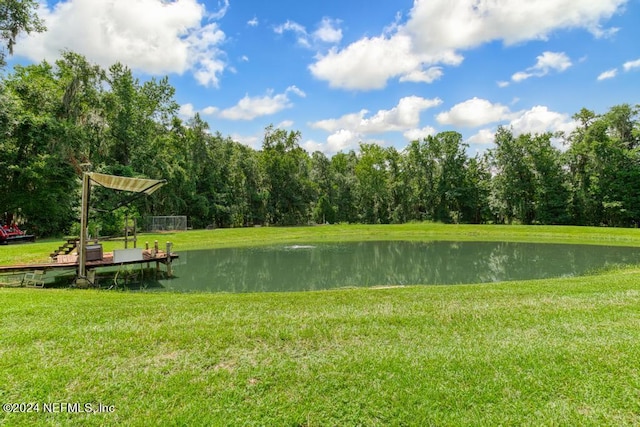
551, 352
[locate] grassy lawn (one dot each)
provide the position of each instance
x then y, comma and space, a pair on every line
553, 352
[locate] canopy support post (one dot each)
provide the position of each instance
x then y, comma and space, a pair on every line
82, 280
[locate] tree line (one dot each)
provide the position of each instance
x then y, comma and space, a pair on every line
57, 120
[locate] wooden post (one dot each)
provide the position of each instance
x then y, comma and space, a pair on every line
154, 252
126, 231
168, 261
81, 280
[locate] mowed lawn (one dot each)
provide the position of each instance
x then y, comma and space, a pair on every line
550, 352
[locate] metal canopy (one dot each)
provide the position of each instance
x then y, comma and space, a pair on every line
121, 183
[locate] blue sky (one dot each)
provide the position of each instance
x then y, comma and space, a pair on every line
375, 71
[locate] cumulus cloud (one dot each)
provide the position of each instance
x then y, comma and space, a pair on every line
609, 74
537, 120
370, 62
547, 62
248, 108
253, 141
152, 36
186, 111
285, 124
343, 140
540, 120
423, 76
474, 112
437, 30
404, 116
328, 31
419, 134
483, 137
347, 131
209, 111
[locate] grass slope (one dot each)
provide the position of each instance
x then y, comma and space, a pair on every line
552, 352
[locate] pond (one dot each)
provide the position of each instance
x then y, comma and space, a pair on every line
384, 263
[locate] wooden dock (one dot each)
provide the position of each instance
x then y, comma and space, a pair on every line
69, 262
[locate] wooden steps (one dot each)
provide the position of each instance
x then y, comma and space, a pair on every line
69, 246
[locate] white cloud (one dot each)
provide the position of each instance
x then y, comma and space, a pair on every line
253, 141
209, 111
312, 146
609, 74
215, 15
438, 29
205, 60
186, 111
290, 26
463, 24
502, 84
285, 124
403, 117
370, 62
342, 140
328, 31
253, 22
419, 134
631, 65
540, 120
474, 112
552, 61
348, 131
248, 108
152, 36
482, 137
520, 76
547, 62
423, 76
537, 120
299, 30
297, 91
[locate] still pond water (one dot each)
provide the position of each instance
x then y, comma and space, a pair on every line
365, 264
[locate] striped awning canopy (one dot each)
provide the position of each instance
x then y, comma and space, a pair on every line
134, 185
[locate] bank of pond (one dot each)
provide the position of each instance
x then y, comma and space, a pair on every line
320, 266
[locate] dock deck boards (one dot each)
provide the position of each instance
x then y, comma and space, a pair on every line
106, 261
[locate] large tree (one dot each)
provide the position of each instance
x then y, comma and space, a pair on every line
37, 171
17, 16
603, 160
286, 166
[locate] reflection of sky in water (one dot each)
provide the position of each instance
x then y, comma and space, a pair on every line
325, 266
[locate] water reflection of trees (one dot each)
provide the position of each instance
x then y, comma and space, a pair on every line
386, 263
